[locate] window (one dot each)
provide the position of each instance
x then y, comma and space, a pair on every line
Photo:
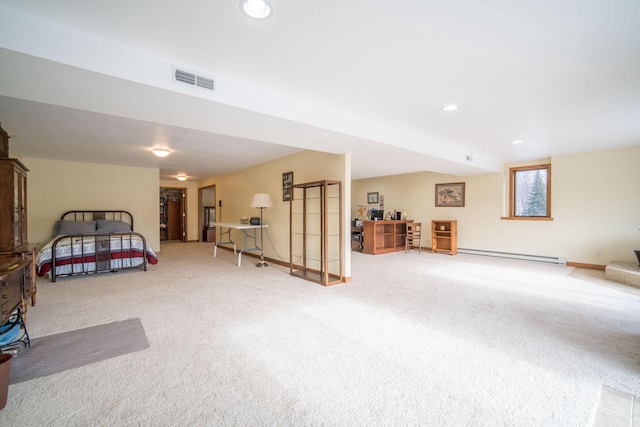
530, 192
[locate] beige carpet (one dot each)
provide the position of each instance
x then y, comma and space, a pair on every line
413, 340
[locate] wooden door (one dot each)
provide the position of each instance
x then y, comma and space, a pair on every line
174, 220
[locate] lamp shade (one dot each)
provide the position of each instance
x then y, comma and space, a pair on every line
261, 201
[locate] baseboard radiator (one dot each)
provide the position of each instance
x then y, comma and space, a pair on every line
537, 258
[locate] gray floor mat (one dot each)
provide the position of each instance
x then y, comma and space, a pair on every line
59, 352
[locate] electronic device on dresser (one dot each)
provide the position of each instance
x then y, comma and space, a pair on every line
377, 215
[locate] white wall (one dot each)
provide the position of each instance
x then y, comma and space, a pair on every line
595, 207
89, 59
56, 186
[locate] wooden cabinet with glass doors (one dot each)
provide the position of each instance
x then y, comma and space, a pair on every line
315, 240
13, 206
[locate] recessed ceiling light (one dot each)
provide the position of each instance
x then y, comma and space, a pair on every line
450, 107
161, 152
181, 177
258, 9
517, 141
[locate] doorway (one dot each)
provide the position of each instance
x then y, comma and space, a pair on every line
173, 215
207, 216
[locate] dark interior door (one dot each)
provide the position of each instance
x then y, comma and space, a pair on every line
173, 220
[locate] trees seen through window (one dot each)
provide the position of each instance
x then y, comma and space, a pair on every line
530, 191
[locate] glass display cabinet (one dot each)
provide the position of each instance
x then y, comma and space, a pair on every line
316, 232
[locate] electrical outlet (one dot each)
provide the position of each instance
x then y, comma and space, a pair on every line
598, 253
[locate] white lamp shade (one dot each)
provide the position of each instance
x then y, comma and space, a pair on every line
261, 201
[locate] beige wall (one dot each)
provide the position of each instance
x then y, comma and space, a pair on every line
58, 186
193, 229
595, 201
595, 206
236, 191
55, 187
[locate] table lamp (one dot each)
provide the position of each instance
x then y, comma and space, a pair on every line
261, 201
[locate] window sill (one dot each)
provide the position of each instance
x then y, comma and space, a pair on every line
527, 218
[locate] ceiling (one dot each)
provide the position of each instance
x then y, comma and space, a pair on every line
367, 78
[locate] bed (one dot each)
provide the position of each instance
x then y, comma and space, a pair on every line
87, 242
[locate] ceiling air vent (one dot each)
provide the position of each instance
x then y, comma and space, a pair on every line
204, 82
192, 79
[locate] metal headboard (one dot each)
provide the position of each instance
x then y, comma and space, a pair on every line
95, 215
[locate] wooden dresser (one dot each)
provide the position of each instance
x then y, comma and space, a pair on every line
15, 275
380, 237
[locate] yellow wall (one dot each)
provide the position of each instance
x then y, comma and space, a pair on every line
193, 228
236, 191
56, 186
595, 205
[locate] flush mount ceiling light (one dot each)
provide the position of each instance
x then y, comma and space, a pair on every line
161, 152
181, 177
517, 141
450, 107
257, 9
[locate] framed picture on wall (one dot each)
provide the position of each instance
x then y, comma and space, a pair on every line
450, 195
287, 186
372, 197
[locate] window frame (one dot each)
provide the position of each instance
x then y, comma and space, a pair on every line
512, 193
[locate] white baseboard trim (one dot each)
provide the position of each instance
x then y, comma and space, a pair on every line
537, 258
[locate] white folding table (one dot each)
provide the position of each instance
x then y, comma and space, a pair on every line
249, 232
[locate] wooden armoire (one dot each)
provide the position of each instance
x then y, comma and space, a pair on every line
13, 206
13, 201
13, 215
